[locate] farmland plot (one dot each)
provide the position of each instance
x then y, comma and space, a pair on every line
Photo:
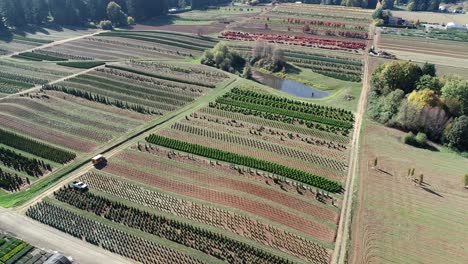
147, 88
126, 45
16, 75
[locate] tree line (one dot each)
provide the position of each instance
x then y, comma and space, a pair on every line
17, 13
413, 98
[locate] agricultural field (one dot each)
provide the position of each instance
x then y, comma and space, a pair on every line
44, 130
13, 250
35, 37
126, 45
18, 75
202, 166
399, 221
250, 169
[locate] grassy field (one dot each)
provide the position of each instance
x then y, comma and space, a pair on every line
398, 220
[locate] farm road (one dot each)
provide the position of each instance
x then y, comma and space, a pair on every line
343, 234
46, 237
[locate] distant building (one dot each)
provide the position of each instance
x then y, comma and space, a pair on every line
455, 26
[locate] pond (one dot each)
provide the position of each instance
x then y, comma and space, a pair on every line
288, 86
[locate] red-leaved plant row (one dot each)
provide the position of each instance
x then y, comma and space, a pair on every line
321, 23
294, 40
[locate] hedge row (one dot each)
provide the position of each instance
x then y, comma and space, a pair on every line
298, 175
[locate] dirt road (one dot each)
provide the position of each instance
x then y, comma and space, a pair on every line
46, 237
343, 234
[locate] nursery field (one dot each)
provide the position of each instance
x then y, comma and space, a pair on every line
202, 166
34, 37
240, 176
125, 45
437, 51
44, 130
13, 250
18, 75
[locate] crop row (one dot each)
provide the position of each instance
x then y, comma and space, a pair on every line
335, 150
161, 76
81, 64
292, 112
35, 147
289, 104
39, 57
19, 162
10, 182
103, 86
176, 90
107, 237
254, 229
262, 145
169, 96
181, 42
307, 41
332, 72
281, 118
214, 244
202, 74
102, 99
61, 55
333, 66
298, 175
293, 128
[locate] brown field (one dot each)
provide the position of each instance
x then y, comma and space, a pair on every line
221, 179
432, 17
398, 221
448, 53
261, 209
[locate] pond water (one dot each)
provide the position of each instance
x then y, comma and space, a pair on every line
288, 86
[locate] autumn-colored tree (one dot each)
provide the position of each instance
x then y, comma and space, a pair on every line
424, 98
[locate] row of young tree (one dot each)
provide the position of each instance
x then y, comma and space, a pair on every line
17, 13
412, 98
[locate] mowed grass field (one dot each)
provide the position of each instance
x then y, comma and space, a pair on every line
398, 221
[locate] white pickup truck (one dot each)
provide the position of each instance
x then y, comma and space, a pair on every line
80, 185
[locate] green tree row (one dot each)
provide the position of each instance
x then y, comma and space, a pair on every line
35, 147
9, 181
33, 167
211, 243
298, 175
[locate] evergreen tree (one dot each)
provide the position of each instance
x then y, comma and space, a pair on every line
13, 12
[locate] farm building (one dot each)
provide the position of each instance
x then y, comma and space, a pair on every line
455, 26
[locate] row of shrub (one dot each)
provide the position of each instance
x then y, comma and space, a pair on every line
30, 166
211, 243
160, 76
35, 147
39, 57
298, 175
81, 64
